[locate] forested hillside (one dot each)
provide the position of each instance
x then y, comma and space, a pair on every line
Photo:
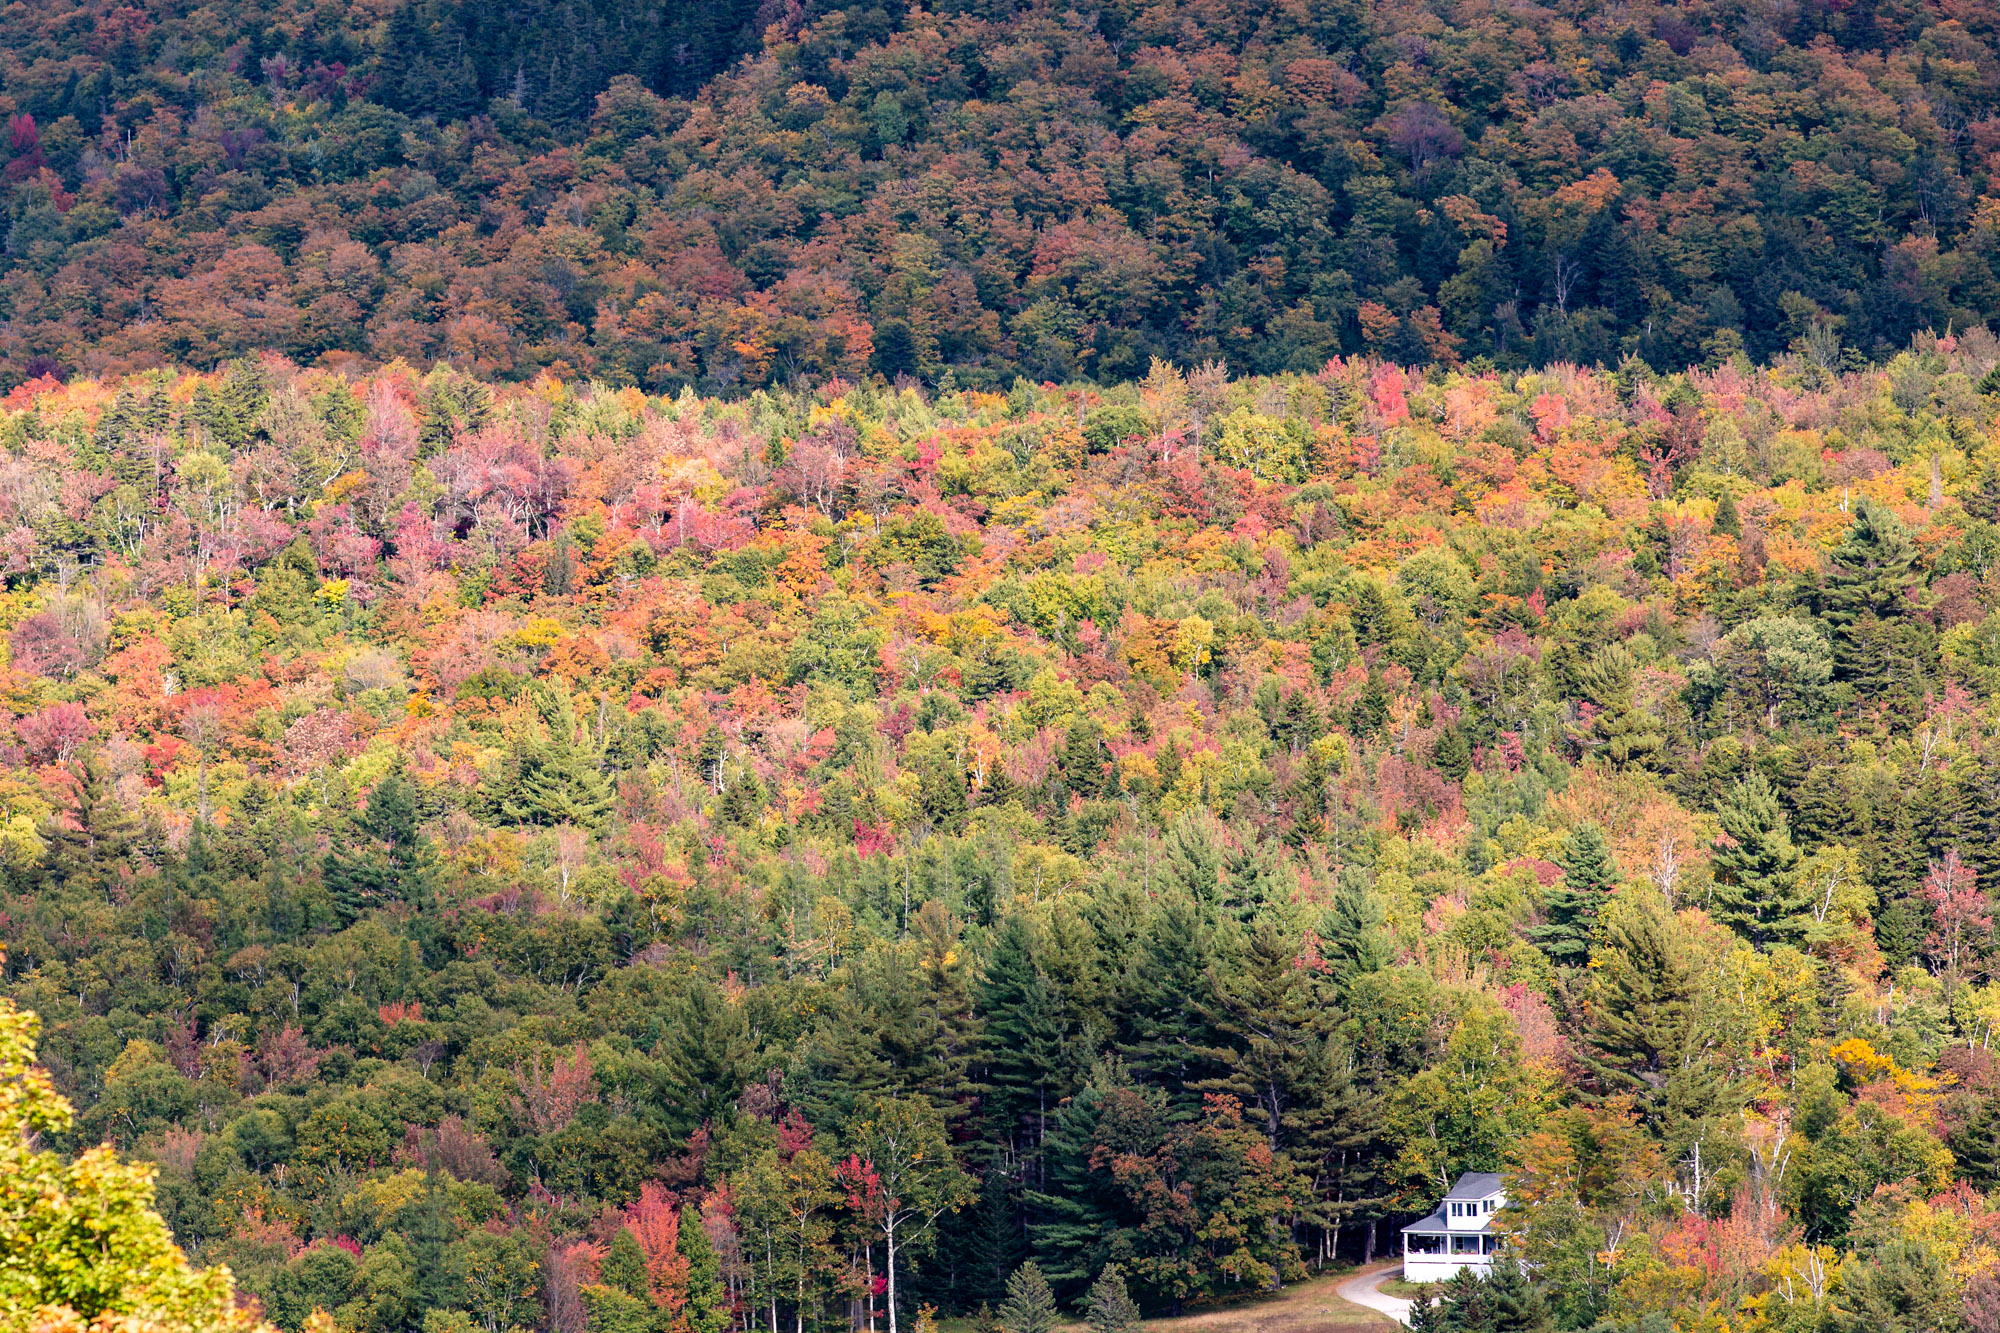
728, 195
546, 856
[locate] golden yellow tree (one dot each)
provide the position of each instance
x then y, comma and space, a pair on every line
81, 1248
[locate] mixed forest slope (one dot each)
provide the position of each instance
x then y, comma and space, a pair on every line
550, 856
731, 195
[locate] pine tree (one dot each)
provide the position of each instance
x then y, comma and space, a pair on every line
1253, 877
383, 865
1621, 731
1639, 1037
1756, 875
557, 777
1269, 1028
1727, 520
1024, 1030
1975, 1145
621, 1300
1870, 572
1452, 755
1355, 939
1191, 857
1822, 806
1110, 1308
1030, 1306
624, 1266
1516, 1306
1166, 991
707, 1309
1590, 872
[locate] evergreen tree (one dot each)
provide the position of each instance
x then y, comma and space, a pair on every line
1975, 1144
1756, 874
1620, 730
1590, 872
382, 864
1639, 1027
1030, 1306
1110, 1308
1253, 877
1870, 574
1075, 1216
1024, 1034
558, 776
1269, 1028
1727, 521
1901, 924
1083, 759
1452, 756
1192, 857
624, 1266
1166, 993
1355, 937
708, 1302
1822, 805
621, 1300
1516, 1306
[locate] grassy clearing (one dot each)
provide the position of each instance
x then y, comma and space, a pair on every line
1304, 1307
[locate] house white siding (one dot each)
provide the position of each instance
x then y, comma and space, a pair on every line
1459, 1235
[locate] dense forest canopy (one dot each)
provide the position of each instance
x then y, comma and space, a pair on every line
549, 856
702, 668
727, 195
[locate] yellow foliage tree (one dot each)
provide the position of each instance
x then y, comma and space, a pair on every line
81, 1248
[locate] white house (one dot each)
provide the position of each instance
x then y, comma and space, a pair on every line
1459, 1234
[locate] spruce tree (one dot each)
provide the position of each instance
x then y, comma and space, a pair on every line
707, 1298
1110, 1308
1030, 1306
1590, 873
1639, 1034
1515, 1304
1023, 1038
1756, 875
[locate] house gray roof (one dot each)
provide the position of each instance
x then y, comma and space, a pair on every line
1435, 1225
1477, 1185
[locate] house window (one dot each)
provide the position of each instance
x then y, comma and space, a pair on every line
1465, 1244
1418, 1242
